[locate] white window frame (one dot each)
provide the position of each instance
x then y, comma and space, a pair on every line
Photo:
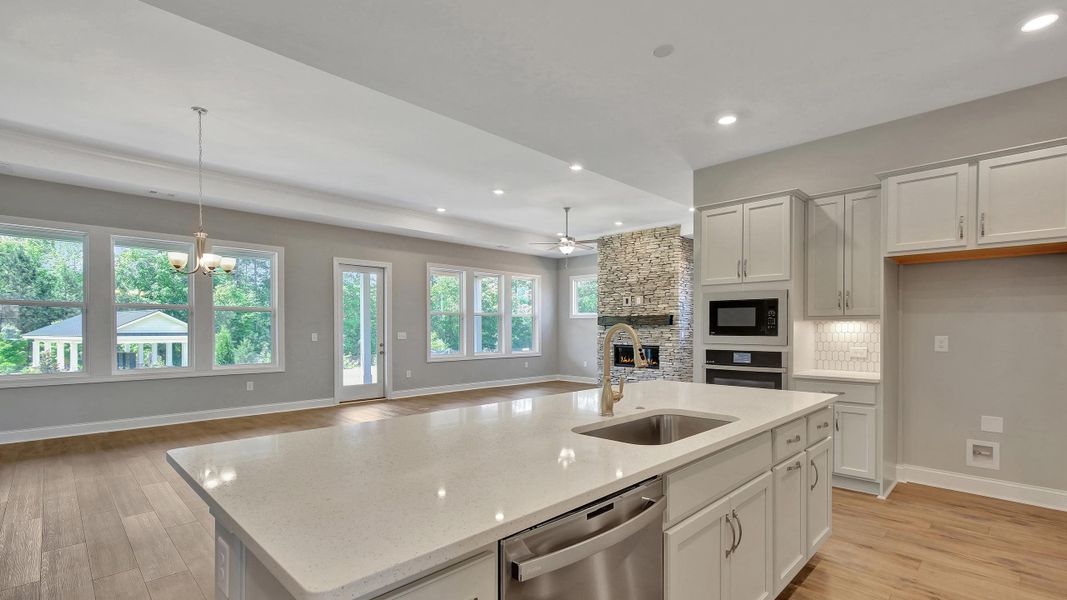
98, 303
476, 312
467, 276
277, 326
575, 280
165, 243
464, 346
25, 228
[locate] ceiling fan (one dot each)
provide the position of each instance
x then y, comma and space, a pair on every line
567, 244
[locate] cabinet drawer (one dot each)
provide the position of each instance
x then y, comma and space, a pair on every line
697, 485
820, 425
790, 439
472, 579
856, 393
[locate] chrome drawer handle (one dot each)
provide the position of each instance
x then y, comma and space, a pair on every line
793, 467
823, 425
793, 440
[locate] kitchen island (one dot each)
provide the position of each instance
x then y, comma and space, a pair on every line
356, 511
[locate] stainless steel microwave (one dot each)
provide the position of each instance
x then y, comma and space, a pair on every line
757, 317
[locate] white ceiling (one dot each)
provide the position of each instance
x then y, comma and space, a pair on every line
413, 105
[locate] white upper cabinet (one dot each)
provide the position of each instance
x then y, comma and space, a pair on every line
844, 259
927, 210
826, 256
720, 245
767, 239
1023, 197
863, 254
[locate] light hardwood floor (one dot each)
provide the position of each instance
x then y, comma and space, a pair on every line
104, 516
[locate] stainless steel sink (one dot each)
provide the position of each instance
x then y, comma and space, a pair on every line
655, 430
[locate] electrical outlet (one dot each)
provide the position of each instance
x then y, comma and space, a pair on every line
401, 335
526, 364
222, 566
992, 424
983, 454
407, 373
858, 352
940, 343
639, 300
314, 336
249, 386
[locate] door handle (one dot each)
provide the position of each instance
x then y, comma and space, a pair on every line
816, 467
526, 570
740, 531
733, 536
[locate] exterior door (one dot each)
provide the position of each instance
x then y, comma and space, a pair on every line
826, 251
359, 311
767, 244
720, 245
863, 254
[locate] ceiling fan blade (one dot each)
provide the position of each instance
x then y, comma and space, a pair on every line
586, 241
584, 247
553, 244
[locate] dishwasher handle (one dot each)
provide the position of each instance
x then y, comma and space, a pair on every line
526, 570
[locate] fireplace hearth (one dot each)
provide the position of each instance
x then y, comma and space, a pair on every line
624, 355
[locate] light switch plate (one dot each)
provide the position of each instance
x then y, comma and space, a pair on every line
940, 343
401, 335
250, 386
314, 336
992, 424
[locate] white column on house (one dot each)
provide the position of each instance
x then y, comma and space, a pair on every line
61, 360
169, 353
185, 354
153, 353
74, 356
35, 348
139, 361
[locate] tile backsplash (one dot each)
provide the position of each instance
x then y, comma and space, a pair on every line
834, 341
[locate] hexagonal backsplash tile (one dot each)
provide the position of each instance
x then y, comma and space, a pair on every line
835, 339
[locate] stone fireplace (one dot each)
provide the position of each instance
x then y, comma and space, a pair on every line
645, 279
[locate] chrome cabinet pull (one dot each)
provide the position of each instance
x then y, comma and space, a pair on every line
816, 467
837, 423
839, 298
733, 536
793, 440
740, 531
739, 268
983, 224
961, 227
823, 425
848, 298
745, 268
793, 467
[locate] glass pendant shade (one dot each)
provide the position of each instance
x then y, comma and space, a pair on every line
228, 264
566, 246
178, 260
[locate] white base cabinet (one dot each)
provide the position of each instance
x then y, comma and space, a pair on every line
856, 435
790, 511
723, 552
819, 500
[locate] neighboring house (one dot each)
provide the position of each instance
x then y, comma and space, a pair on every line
145, 338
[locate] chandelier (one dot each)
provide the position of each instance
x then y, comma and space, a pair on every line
206, 262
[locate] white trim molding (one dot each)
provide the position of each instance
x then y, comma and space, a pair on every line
576, 379
57, 431
984, 486
477, 385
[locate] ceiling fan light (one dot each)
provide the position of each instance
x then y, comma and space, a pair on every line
566, 246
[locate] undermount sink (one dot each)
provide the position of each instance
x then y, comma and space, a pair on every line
655, 430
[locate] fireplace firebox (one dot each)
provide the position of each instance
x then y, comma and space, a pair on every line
624, 355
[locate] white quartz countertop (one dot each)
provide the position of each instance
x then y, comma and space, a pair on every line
345, 511
831, 375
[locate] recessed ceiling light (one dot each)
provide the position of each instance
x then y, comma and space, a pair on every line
576, 167
1040, 22
498, 192
441, 209
618, 223
663, 51
728, 119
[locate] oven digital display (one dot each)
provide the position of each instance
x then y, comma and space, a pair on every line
742, 358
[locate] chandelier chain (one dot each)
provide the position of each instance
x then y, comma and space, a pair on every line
200, 166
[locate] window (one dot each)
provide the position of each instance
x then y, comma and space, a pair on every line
523, 314
583, 296
503, 309
244, 313
42, 302
487, 314
446, 325
151, 305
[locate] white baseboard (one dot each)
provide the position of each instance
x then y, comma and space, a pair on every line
478, 385
43, 433
576, 379
984, 486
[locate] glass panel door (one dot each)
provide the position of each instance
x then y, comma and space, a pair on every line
360, 345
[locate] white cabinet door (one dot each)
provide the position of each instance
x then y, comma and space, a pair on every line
927, 210
1023, 197
767, 240
474, 579
694, 555
819, 501
825, 259
720, 245
790, 512
751, 575
863, 254
855, 438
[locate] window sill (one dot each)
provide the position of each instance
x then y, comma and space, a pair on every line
136, 376
436, 359
583, 315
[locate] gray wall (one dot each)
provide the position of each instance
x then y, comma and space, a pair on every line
1019, 117
1007, 325
577, 337
309, 251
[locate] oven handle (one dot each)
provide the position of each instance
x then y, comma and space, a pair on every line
749, 369
539, 565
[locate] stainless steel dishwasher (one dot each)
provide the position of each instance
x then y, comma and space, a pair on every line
611, 549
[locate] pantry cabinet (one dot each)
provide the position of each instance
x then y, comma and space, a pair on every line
855, 439
1023, 197
747, 242
844, 256
928, 210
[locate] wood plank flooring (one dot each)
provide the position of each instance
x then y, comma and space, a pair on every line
103, 516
